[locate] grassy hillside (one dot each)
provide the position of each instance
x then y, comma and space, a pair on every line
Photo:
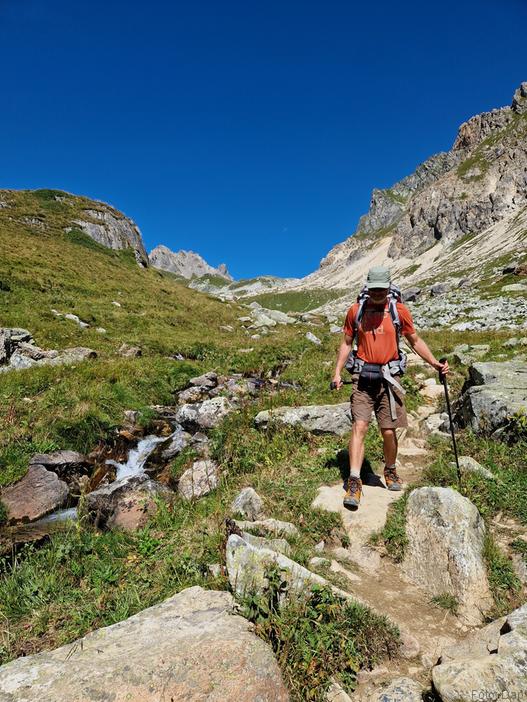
43, 268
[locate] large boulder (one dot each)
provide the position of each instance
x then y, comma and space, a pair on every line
38, 493
318, 419
445, 549
492, 663
190, 647
494, 391
203, 415
125, 504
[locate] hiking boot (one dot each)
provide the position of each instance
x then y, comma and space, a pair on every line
353, 493
393, 481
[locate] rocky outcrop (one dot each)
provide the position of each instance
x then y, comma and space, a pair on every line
491, 664
466, 201
446, 535
318, 419
492, 394
190, 647
38, 493
112, 229
18, 351
187, 264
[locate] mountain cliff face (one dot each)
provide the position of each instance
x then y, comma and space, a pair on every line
185, 263
114, 230
50, 210
479, 186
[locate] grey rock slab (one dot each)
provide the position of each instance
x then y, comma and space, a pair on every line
198, 480
318, 419
468, 464
314, 339
494, 675
481, 642
445, 549
494, 392
190, 647
399, 690
179, 439
269, 526
248, 566
248, 503
204, 415
280, 545
38, 493
207, 380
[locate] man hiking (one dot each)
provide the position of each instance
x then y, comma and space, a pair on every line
375, 323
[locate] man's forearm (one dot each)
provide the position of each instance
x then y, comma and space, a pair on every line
342, 357
421, 348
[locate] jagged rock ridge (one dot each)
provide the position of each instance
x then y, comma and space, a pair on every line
479, 184
185, 263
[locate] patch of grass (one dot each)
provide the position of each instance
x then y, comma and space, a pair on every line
411, 269
3, 513
297, 300
506, 493
393, 534
446, 601
319, 637
520, 546
504, 583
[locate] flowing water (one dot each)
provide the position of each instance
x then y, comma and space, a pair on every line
137, 457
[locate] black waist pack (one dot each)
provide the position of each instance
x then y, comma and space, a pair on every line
371, 372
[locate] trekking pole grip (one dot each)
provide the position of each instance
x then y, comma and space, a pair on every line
442, 376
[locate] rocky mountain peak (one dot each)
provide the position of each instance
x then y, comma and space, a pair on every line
187, 264
414, 226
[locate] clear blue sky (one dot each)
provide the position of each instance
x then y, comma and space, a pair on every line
251, 132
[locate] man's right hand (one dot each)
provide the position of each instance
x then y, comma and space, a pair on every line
337, 382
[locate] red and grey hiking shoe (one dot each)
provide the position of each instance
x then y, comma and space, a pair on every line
393, 481
353, 493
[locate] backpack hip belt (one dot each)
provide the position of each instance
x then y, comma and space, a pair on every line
384, 372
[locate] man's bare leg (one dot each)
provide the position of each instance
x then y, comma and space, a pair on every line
356, 446
390, 445
393, 481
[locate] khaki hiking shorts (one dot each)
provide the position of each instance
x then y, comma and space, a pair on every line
372, 396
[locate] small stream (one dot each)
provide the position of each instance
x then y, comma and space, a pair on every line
137, 457
135, 463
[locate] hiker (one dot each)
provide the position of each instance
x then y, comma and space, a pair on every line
375, 323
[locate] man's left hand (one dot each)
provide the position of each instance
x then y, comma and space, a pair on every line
442, 367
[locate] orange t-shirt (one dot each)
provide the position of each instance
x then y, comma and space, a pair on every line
376, 337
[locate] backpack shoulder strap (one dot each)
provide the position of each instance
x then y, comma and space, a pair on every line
361, 299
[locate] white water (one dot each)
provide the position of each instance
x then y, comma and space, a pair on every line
137, 457
59, 516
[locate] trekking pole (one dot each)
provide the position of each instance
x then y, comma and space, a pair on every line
442, 380
333, 386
